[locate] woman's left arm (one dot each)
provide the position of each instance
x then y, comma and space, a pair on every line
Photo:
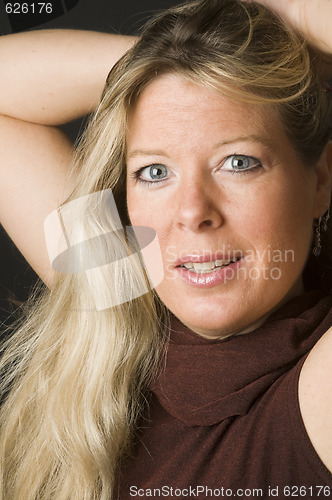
315, 397
312, 18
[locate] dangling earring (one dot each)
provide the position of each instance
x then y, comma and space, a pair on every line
321, 224
325, 220
318, 247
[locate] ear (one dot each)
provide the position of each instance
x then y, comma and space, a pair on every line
323, 171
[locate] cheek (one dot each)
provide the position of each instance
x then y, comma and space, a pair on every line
140, 216
276, 215
147, 210
255, 213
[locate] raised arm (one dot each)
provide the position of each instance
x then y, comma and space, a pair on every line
312, 18
54, 76
47, 78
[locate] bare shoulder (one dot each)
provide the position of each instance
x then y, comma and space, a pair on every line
315, 396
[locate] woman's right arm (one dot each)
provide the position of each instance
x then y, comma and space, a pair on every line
48, 78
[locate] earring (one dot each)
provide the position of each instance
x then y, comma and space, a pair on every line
318, 247
325, 220
321, 224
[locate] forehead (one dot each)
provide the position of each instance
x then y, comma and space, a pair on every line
173, 111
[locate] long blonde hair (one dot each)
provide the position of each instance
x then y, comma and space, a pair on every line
73, 379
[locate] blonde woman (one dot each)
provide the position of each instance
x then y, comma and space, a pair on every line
212, 131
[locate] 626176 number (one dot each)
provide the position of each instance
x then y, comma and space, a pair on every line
26, 8
307, 491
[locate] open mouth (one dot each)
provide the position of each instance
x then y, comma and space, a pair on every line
208, 267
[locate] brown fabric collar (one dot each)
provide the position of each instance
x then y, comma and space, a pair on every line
207, 381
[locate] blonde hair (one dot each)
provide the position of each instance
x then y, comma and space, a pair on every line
74, 380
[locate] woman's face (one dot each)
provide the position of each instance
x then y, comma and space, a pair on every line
231, 204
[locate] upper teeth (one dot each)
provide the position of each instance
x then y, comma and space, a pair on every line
206, 266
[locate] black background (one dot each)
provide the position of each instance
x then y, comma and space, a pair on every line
113, 16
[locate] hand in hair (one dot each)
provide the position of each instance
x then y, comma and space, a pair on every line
313, 19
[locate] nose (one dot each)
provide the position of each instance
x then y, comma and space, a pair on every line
198, 206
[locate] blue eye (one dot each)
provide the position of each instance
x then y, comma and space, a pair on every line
240, 163
157, 172
152, 174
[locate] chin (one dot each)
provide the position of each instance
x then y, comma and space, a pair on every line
219, 320
212, 326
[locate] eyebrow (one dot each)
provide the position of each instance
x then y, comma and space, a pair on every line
245, 138
147, 152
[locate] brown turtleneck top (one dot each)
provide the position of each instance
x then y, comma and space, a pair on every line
224, 417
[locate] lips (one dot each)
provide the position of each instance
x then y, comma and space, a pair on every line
206, 274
